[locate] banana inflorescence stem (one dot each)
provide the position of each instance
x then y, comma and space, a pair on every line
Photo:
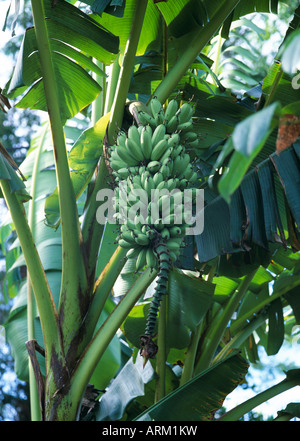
148, 347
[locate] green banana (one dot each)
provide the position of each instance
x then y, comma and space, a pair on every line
175, 231
145, 119
134, 149
157, 178
142, 239
153, 157
134, 170
134, 134
116, 165
163, 200
171, 184
153, 166
121, 139
177, 151
124, 228
193, 178
133, 252
185, 126
165, 234
149, 185
123, 173
124, 244
151, 234
169, 220
157, 110
144, 176
158, 134
189, 137
141, 259
172, 124
162, 185
158, 150
141, 169
127, 236
151, 258
171, 110
167, 154
136, 179
132, 226
188, 171
173, 140
114, 155
183, 183
185, 113
173, 256
153, 210
180, 164
126, 156
146, 143
165, 171
173, 244
192, 144
159, 225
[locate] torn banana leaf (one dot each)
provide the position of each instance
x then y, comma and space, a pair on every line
16, 184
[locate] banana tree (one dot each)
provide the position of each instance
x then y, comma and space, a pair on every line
64, 308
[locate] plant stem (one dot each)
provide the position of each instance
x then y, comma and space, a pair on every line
240, 337
117, 110
247, 406
102, 289
216, 332
218, 54
34, 396
92, 230
99, 103
94, 351
43, 296
73, 299
161, 357
270, 97
199, 39
112, 85
188, 368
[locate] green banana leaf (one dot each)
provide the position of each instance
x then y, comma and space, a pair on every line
182, 16
292, 410
76, 88
16, 184
201, 397
120, 26
257, 214
129, 383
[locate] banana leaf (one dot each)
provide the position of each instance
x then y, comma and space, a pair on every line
202, 396
74, 39
120, 26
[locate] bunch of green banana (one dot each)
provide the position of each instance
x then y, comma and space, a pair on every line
154, 159
151, 167
140, 239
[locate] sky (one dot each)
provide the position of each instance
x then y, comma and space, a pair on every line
258, 377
